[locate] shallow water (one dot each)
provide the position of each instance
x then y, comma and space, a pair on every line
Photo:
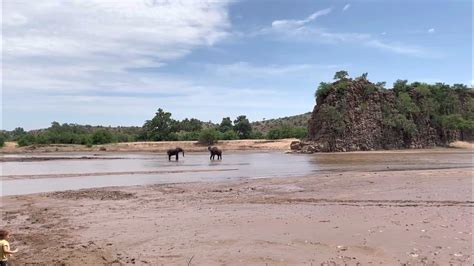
127, 169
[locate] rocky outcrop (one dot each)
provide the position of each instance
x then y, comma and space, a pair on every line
357, 115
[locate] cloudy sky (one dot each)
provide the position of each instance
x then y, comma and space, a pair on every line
114, 62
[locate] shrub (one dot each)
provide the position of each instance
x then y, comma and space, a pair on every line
26, 140
369, 89
456, 122
323, 90
187, 136
208, 136
229, 135
406, 105
102, 136
287, 131
256, 135
400, 122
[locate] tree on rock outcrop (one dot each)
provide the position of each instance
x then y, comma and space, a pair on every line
341, 75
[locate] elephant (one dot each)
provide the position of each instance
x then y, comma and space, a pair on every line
215, 151
175, 152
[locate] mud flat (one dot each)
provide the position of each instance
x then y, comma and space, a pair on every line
388, 217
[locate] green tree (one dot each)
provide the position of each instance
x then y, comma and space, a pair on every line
381, 85
256, 135
406, 105
208, 136
341, 75
17, 133
187, 136
401, 86
102, 136
189, 125
456, 122
323, 90
229, 135
160, 127
226, 124
400, 122
243, 127
26, 140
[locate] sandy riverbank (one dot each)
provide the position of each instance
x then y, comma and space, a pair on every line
189, 146
388, 217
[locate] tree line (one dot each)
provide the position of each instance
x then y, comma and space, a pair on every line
162, 127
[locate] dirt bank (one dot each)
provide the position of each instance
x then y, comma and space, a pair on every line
390, 218
190, 146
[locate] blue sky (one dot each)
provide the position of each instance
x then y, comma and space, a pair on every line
115, 62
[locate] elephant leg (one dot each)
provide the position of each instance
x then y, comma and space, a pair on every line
169, 157
177, 157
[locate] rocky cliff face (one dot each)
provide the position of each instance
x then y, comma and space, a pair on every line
355, 115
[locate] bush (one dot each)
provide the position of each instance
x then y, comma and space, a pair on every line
286, 131
187, 136
208, 136
406, 105
456, 122
229, 135
400, 122
323, 90
86, 140
300, 132
370, 89
256, 135
2, 140
26, 140
102, 136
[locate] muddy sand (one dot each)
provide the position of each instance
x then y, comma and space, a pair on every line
416, 217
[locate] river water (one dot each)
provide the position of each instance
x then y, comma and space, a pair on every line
26, 174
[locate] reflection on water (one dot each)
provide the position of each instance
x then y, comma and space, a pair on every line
245, 165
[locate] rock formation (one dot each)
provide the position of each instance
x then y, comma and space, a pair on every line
357, 115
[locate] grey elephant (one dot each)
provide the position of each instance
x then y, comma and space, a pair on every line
215, 151
174, 152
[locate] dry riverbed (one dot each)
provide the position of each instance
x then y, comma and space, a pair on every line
387, 217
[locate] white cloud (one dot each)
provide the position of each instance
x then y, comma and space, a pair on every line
246, 69
395, 47
347, 6
71, 44
297, 30
291, 24
432, 30
83, 47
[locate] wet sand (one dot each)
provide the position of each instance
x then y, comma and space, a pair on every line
373, 217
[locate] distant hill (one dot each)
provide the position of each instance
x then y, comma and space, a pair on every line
293, 121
